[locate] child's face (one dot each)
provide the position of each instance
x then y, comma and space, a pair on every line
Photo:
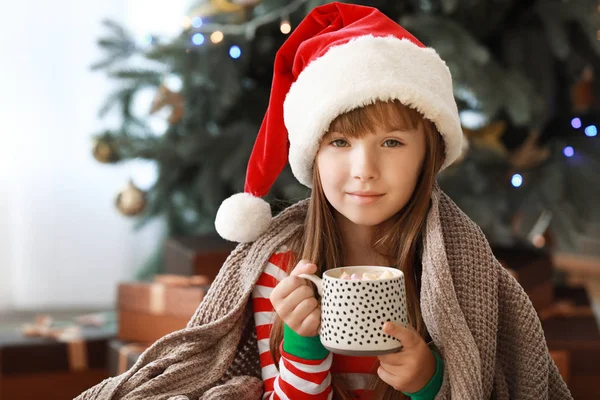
386, 163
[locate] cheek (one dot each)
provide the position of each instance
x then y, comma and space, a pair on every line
410, 164
410, 177
403, 184
332, 176
331, 181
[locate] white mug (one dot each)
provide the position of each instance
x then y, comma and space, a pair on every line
353, 312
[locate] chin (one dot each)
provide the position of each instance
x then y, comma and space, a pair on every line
364, 219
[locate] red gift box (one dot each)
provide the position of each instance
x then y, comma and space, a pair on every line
149, 311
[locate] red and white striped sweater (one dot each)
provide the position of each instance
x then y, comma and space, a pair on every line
298, 378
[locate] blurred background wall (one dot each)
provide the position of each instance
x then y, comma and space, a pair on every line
61, 241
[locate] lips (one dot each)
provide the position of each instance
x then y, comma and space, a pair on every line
365, 194
365, 197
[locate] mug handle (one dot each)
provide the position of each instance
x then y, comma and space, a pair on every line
316, 280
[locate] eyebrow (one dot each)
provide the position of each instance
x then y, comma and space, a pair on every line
385, 131
394, 128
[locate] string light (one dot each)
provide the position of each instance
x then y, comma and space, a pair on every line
576, 123
198, 39
216, 37
235, 52
569, 151
187, 22
197, 22
591, 131
285, 27
517, 180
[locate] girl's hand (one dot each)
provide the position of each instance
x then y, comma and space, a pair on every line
410, 369
295, 303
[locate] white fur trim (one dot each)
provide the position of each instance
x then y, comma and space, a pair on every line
243, 218
358, 73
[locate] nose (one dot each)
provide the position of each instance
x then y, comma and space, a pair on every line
364, 164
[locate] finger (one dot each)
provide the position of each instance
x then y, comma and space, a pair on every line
387, 377
304, 267
406, 335
311, 322
291, 302
303, 321
286, 287
393, 359
305, 308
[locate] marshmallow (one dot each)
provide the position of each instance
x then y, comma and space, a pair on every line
386, 275
367, 276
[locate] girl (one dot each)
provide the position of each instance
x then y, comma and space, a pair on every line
366, 116
361, 212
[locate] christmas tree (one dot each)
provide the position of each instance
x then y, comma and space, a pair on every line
524, 81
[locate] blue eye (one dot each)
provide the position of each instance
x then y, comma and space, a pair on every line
339, 143
392, 143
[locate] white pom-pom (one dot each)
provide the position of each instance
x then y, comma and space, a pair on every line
243, 218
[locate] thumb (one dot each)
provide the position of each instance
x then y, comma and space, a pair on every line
406, 335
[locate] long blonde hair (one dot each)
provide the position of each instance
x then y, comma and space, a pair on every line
320, 241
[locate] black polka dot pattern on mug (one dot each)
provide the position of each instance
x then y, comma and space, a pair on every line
354, 312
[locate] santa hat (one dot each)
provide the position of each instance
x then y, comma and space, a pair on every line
339, 58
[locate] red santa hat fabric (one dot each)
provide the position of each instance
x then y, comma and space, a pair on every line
339, 58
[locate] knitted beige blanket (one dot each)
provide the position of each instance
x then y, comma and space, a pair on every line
477, 315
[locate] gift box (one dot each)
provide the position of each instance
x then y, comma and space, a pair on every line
52, 369
578, 268
533, 270
147, 328
148, 311
172, 296
196, 255
122, 355
573, 337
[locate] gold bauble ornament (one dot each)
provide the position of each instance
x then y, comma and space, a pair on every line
131, 200
104, 151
